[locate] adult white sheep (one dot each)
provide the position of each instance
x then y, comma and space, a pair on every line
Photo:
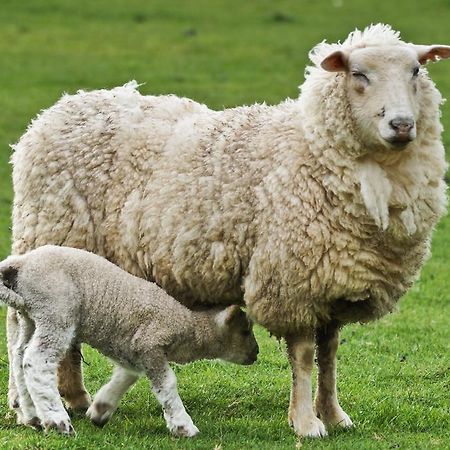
316, 212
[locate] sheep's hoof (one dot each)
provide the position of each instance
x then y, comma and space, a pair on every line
336, 417
310, 426
341, 419
344, 421
79, 403
99, 413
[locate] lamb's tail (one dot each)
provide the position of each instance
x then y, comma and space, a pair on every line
11, 298
9, 269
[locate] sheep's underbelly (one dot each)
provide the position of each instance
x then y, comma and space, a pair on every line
194, 274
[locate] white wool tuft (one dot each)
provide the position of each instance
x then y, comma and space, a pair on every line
373, 35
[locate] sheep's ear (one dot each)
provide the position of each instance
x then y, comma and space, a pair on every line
336, 62
226, 316
426, 53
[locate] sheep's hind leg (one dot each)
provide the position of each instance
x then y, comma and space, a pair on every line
12, 333
301, 413
26, 412
108, 397
70, 381
327, 405
42, 356
164, 386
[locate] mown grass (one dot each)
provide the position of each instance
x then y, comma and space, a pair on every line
394, 374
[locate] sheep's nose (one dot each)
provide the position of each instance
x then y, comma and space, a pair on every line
402, 126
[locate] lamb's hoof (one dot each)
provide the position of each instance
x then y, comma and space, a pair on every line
309, 426
78, 403
20, 418
28, 421
189, 430
63, 426
13, 402
34, 423
100, 413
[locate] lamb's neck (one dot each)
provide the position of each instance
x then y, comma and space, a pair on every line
206, 339
199, 339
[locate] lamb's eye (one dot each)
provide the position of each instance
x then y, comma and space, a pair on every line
361, 77
415, 72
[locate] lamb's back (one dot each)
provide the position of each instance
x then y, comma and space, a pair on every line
107, 307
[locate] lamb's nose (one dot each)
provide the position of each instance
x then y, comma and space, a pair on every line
402, 125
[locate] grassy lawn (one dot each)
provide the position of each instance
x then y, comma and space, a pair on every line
394, 375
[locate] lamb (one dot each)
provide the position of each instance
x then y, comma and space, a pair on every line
66, 296
314, 213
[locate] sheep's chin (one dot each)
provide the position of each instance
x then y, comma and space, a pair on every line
388, 145
397, 145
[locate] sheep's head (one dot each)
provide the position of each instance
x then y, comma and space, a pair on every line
384, 87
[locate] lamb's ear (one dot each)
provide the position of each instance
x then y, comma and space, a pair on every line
426, 53
226, 316
336, 62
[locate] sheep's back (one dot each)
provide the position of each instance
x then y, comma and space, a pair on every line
149, 182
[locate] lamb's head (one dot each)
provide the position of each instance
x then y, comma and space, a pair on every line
238, 343
385, 84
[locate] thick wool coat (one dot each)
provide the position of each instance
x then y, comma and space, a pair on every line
272, 206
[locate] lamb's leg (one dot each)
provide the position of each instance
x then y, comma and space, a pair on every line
40, 363
327, 405
12, 333
108, 397
26, 413
301, 414
70, 381
164, 386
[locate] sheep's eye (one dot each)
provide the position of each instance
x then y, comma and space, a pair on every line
415, 72
361, 77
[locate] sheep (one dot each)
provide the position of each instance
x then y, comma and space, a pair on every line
67, 295
314, 213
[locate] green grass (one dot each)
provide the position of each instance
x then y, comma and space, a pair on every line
393, 375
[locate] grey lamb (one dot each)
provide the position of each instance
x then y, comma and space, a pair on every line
66, 296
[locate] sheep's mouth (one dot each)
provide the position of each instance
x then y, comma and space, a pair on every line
399, 143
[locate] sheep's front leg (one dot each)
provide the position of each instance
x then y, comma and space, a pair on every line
327, 405
108, 397
40, 363
164, 386
301, 413
70, 381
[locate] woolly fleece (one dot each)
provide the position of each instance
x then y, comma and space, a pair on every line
267, 205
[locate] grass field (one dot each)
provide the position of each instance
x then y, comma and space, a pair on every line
394, 375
